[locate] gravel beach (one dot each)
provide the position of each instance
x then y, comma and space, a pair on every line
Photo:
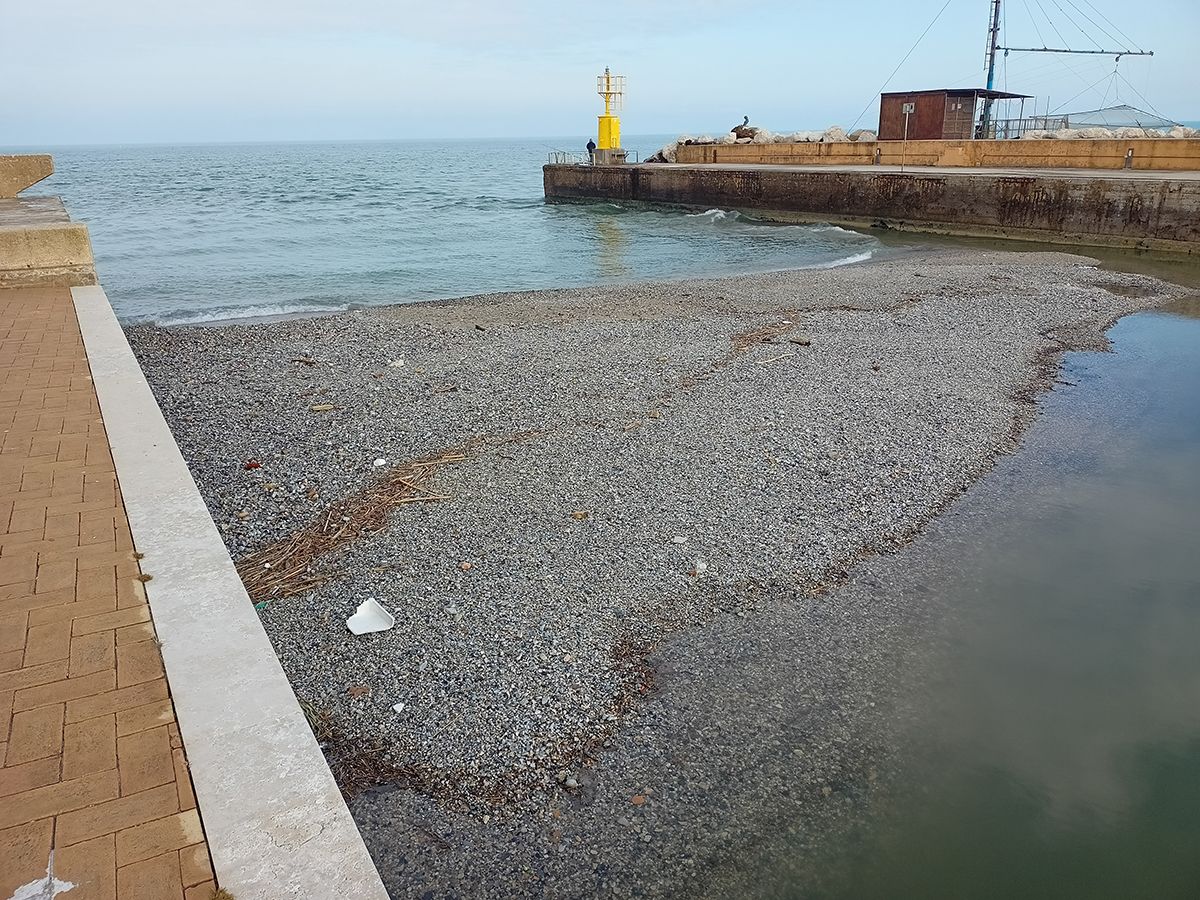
637, 636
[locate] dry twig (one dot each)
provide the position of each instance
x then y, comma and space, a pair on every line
764, 335
763, 362
286, 568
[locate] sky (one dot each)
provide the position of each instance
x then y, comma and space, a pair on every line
133, 71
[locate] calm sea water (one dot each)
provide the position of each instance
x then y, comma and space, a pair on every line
196, 233
1056, 753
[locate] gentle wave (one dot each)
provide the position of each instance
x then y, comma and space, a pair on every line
730, 215
296, 310
844, 261
825, 227
385, 223
602, 209
230, 314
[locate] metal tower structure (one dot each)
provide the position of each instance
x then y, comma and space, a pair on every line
994, 46
612, 88
990, 60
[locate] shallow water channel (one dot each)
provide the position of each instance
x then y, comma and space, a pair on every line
1053, 748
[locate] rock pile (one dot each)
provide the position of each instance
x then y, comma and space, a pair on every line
743, 134
1106, 134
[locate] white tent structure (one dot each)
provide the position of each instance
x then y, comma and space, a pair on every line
1121, 121
1123, 116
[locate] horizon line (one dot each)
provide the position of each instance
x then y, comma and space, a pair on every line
28, 148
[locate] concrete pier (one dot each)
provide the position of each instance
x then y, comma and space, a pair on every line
1124, 208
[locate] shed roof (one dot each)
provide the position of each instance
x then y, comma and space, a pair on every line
961, 92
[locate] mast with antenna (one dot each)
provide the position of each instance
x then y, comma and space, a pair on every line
990, 59
993, 46
1044, 49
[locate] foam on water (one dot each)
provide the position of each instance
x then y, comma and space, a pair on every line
202, 233
844, 261
257, 312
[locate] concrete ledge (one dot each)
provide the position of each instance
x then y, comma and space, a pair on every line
1165, 154
52, 276
275, 821
20, 172
51, 253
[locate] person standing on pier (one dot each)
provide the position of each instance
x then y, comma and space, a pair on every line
591, 149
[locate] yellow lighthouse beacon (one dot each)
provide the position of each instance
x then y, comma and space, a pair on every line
608, 141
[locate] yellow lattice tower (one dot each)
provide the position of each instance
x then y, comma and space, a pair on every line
612, 88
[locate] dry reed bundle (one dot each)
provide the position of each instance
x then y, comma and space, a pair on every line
286, 568
743, 341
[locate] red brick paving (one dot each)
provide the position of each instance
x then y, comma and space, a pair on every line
91, 764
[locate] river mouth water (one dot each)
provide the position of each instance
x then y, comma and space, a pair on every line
1050, 744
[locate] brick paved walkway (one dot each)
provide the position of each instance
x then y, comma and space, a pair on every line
93, 778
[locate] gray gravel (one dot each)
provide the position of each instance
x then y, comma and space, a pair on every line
623, 703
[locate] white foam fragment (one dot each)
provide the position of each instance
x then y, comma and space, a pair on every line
369, 618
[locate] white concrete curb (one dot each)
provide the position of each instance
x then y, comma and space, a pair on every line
275, 821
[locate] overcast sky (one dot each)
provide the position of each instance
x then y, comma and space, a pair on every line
112, 71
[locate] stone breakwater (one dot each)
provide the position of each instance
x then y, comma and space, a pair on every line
620, 645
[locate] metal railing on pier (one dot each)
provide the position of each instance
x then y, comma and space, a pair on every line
568, 158
582, 157
1008, 129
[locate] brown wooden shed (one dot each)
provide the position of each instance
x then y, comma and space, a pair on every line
947, 114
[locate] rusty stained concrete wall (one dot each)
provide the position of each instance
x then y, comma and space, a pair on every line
1139, 212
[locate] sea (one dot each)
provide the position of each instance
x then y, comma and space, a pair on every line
211, 232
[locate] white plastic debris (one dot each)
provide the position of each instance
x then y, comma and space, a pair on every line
396, 363
381, 462
370, 617
679, 539
398, 707
701, 567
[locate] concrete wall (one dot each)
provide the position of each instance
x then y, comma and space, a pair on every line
20, 172
58, 253
1148, 153
1160, 213
39, 244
